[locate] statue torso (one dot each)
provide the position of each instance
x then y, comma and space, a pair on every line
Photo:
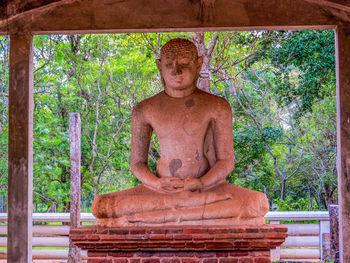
181, 125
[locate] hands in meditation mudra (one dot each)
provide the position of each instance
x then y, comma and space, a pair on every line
194, 130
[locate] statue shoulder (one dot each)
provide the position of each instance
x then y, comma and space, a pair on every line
146, 106
215, 102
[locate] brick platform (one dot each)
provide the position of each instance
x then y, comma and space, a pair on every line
234, 244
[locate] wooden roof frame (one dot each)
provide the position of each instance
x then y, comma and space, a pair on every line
22, 19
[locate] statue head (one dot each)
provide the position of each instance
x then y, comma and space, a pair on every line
179, 67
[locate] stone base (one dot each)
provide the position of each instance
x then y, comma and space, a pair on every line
230, 244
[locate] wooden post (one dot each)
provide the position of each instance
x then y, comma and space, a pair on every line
324, 240
74, 255
343, 133
334, 229
20, 151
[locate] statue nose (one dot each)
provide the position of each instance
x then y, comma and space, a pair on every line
176, 69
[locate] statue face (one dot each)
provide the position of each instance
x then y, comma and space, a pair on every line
179, 71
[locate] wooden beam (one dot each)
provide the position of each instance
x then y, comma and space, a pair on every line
20, 158
343, 126
181, 15
331, 4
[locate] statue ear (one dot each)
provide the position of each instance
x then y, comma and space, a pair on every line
200, 62
158, 65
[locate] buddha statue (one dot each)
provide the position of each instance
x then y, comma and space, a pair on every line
194, 129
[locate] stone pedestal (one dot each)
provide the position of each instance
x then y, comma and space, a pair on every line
229, 244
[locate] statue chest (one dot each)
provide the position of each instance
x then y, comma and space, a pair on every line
181, 121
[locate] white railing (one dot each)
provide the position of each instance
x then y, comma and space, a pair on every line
308, 242
304, 241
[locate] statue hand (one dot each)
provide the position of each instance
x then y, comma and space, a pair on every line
192, 184
170, 184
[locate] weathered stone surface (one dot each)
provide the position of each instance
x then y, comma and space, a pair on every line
194, 129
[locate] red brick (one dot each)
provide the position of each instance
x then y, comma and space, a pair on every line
159, 236
260, 253
210, 260
231, 236
203, 237
77, 237
182, 236
242, 244
154, 244
218, 231
150, 260
239, 253
177, 244
273, 235
128, 245
238, 230
135, 237
83, 230
262, 260
205, 254
100, 260
195, 245
174, 231
218, 245
112, 237
157, 231
97, 254
164, 254
118, 231
245, 260
121, 254
137, 231
93, 237
280, 229
144, 254
195, 231
228, 260
184, 254
259, 244
252, 230
120, 260
190, 260
170, 260
221, 254
134, 260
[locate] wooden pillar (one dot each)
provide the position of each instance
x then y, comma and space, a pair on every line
334, 229
343, 131
20, 155
74, 254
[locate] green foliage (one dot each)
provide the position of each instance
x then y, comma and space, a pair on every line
288, 204
280, 85
304, 65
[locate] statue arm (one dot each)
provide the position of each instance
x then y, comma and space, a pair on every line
141, 132
223, 143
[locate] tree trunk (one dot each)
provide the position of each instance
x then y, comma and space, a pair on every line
283, 189
204, 79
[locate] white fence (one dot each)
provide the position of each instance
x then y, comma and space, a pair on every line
305, 242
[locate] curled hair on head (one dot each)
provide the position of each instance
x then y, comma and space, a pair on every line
179, 45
